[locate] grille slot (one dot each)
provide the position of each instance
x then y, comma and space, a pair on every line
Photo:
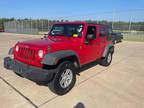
27, 53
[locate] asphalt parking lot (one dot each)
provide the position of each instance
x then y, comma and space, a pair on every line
121, 85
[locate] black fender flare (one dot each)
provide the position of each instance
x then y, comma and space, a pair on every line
53, 58
107, 48
11, 50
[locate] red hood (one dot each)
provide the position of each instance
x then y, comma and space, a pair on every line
51, 41
38, 42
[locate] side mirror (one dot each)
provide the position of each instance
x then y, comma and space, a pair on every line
45, 35
90, 37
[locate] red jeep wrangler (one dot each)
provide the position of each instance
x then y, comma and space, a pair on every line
57, 56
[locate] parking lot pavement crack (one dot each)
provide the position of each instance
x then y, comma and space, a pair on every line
48, 101
99, 72
26, 98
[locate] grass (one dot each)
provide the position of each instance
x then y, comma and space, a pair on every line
42, 33
134, 37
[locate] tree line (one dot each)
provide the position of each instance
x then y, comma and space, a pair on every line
38, 23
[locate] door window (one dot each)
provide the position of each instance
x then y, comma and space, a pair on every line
91, 31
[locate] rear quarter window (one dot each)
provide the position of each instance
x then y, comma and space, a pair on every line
109, 33
103, 31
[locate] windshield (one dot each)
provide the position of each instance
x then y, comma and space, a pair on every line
69, 30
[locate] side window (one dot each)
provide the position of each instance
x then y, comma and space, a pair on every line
109, 33
102, 32
91, 31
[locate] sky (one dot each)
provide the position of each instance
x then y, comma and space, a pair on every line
73, 9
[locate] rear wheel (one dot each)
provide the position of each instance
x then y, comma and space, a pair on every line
107, 60
115, 42
64, 79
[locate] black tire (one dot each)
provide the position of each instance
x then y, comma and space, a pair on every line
120, 40
55, 85
115, 42
105, 61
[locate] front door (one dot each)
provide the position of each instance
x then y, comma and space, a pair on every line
90, 48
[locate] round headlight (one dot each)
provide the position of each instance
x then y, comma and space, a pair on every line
40, 53
17, 48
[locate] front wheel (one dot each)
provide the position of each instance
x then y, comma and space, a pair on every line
107, 60
64, 80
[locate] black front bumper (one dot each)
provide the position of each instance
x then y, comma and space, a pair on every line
28, 71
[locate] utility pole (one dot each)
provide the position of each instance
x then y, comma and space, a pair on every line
130, 23
42, 24
48, 25
113, 18
31, 25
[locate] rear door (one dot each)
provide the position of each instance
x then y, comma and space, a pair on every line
103, 34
